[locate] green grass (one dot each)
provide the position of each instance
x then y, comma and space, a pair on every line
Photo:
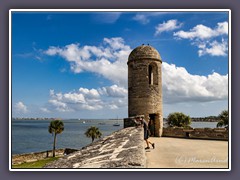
36, 164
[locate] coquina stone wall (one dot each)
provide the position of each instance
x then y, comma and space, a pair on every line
197, 133
145, 85
122, 149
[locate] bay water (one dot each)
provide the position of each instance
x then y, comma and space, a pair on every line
33, 136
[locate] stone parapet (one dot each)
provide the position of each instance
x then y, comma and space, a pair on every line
129, 122
197, 133
121, 149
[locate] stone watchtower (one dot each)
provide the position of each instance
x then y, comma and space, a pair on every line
145, 86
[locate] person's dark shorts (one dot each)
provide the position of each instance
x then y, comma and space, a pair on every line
146, 135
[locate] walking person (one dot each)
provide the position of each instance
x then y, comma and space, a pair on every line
146, 134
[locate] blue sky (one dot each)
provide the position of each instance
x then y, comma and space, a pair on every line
74, 64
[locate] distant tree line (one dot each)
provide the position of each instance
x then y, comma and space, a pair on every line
203, 119
206, 119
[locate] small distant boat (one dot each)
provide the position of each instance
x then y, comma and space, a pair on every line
116, 124
82, 121
102, 123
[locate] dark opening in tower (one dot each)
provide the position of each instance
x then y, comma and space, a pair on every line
150, 74
152, 124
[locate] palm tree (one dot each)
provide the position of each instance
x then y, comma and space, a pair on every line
55, 127
93, 132
223, 116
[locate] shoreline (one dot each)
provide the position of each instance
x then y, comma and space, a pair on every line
35, 156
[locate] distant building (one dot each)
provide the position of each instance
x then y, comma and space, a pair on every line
145, 86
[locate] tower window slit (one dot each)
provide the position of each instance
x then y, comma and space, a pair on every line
150, 74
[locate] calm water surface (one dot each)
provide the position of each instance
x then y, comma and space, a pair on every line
33, 136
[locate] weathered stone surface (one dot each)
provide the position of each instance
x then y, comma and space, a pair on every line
197, 133
145, 86
122, 149
144, 51
129, 122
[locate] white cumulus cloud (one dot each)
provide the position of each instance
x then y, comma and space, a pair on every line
59, 106
89, 99
114, 91
45, 110
170, 25
199, 32
203, 32
214, 48
108, 60
181, 86
222, 28
205, 38
91, 94
20, 107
